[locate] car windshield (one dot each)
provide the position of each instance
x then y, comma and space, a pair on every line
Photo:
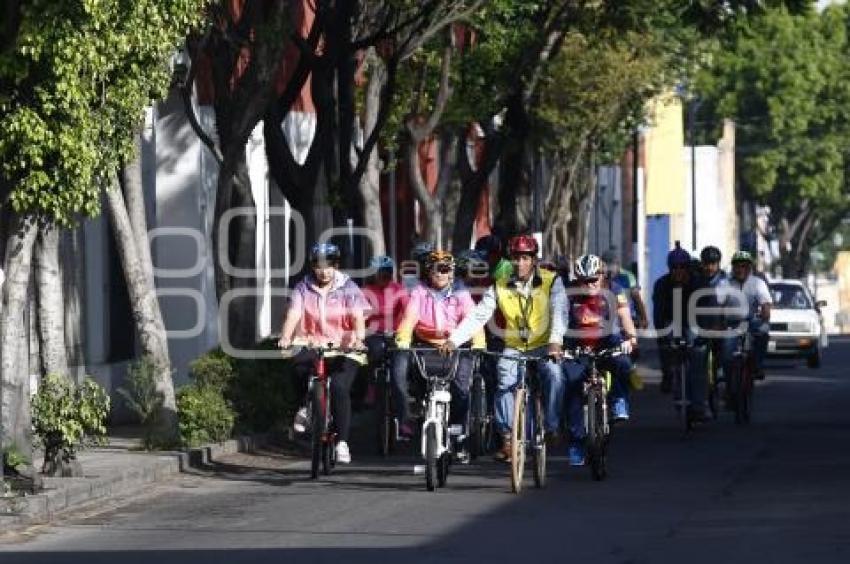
789, 296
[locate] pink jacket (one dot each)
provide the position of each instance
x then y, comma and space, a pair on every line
328, 319
433, 317
387, 307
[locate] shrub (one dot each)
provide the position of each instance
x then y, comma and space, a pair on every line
214, 370
67, 417
204, 415
263, 392
143, 399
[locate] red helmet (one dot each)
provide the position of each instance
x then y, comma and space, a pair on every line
522, 244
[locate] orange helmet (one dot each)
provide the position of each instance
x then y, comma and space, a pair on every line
439, 257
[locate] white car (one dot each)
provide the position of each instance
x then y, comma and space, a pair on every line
796, 323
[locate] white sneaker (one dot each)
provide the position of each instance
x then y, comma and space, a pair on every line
343, 456
302, 421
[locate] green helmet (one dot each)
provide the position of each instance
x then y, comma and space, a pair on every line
742, 256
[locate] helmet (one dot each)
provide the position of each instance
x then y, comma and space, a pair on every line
421, 250
466, 257
588, 266
522, 244
381, 262
710, 254
325, 252
678, 257
489, 244
439, 257
742, 256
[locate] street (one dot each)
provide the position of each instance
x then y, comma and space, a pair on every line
775, 491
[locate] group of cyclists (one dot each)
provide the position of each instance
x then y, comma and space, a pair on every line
504, 298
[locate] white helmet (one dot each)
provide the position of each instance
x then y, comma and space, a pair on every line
588, 266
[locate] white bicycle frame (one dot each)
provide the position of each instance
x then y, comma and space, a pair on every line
437, 414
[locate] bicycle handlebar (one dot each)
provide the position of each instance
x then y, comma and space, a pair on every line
579, 352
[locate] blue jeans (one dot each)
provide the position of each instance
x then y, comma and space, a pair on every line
575, 372
551, 378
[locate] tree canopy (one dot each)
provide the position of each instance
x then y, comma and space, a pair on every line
75, 77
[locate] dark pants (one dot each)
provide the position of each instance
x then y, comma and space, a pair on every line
342, 371
433, 362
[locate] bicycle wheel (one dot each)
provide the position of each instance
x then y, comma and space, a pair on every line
317, 430
745, 399
518, 435
596, 443
477, 419
430, 458
736, 387
386, 421
328, 443
539, 447
713, 397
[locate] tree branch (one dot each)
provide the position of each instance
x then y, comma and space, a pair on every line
420, 131
189, 108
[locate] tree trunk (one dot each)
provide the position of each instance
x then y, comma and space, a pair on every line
50, 300
134, 196
15, 417
145, 306
370, 184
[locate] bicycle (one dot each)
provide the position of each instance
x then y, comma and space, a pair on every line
387, 422
680, 348
436, 433
527, 421
480, 421
740, 379
595, 390
322, 433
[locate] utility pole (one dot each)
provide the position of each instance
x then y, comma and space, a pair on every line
692, 114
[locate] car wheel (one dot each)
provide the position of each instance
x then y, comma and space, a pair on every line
813, 360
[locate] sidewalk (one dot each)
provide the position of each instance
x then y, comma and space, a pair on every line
120, 468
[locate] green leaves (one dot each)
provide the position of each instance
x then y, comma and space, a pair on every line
66, 417
80, 75
783, 78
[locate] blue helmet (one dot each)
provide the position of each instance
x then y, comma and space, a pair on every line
325, 252
678, 257
381, 262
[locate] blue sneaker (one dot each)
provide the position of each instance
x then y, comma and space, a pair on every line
620, 409
575, 452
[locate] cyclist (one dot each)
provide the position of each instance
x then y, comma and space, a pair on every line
435, 308
327, 307
757, 304
627, 281
717, 279
672, 315
533, 303
472, 273
490, 247
387, 299
598, 318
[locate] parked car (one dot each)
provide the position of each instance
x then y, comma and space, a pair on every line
796, 324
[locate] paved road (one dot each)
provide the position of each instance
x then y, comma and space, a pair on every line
777, 491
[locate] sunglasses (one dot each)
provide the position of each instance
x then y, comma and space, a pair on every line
443, 268
593, 280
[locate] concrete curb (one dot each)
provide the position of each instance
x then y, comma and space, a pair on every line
63, 494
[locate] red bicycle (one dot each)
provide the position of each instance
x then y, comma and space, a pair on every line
323, 434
